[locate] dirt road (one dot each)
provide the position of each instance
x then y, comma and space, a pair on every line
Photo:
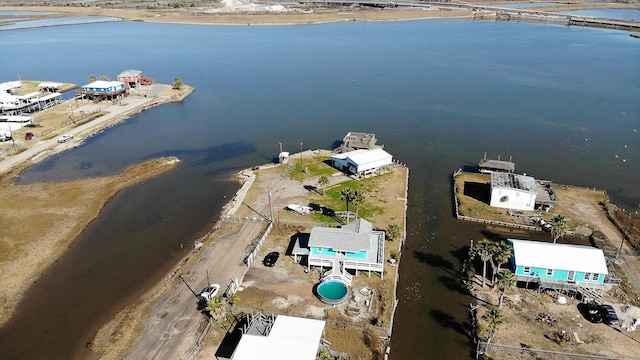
171, 329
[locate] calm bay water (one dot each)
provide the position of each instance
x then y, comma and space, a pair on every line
562, 101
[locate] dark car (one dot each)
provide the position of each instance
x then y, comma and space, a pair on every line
271, 258
591, 312
609, 314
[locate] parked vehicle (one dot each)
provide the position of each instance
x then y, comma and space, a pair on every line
65, 138
271, 259
28, 136
591, 312
545, 225
5, 135
300, 209
609, 314
209, 292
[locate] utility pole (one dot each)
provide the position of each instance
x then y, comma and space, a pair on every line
270, 207
301, 168
193, 292
626, 230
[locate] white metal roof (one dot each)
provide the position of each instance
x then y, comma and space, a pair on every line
291, 338
101, 84
559, 256
49, 85
366, 159
361, 157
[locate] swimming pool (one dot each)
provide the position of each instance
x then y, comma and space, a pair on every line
332, 292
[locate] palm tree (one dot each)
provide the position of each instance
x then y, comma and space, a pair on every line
323, 181
233, 298
93, 78
358, 200
104, 78
502, 255
216, 307
485, 250
559, 227
393, 231
494, 319
347, 195
177, 83
506, 280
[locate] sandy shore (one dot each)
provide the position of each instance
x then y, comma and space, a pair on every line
234, 17
244, 12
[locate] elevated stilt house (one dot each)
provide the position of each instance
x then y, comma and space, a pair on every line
562, 267
103, 90
134, 78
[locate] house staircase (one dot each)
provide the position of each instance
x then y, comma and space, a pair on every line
589, 295
338, 272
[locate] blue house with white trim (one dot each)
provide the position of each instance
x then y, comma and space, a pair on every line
103, 90
355, 246
559, 264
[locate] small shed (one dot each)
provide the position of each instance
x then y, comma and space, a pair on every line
513, 191
575, 264
362, 162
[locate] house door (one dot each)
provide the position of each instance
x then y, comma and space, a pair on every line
572, 276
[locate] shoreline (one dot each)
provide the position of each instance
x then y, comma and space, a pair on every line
296, 15
15, 163
136, 326
17, 281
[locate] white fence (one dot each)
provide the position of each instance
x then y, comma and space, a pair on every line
252, 255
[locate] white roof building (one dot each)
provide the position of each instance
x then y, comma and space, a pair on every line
362, 162
290, 338
513, 191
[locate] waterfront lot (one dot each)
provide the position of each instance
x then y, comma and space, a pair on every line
535, 320
287, 288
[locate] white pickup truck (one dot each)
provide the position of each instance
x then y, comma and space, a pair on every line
65, 138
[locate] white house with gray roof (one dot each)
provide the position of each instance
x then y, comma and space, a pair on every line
513, 191
354, 246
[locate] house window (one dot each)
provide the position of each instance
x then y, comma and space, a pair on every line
526, 270
549, 272
587, 276
595, 277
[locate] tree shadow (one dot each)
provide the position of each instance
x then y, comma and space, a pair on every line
231, 338
454, 284
461, 254
311, 188
447, 321
478, 191
433, 260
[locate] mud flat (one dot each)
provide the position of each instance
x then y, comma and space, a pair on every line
43, 206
